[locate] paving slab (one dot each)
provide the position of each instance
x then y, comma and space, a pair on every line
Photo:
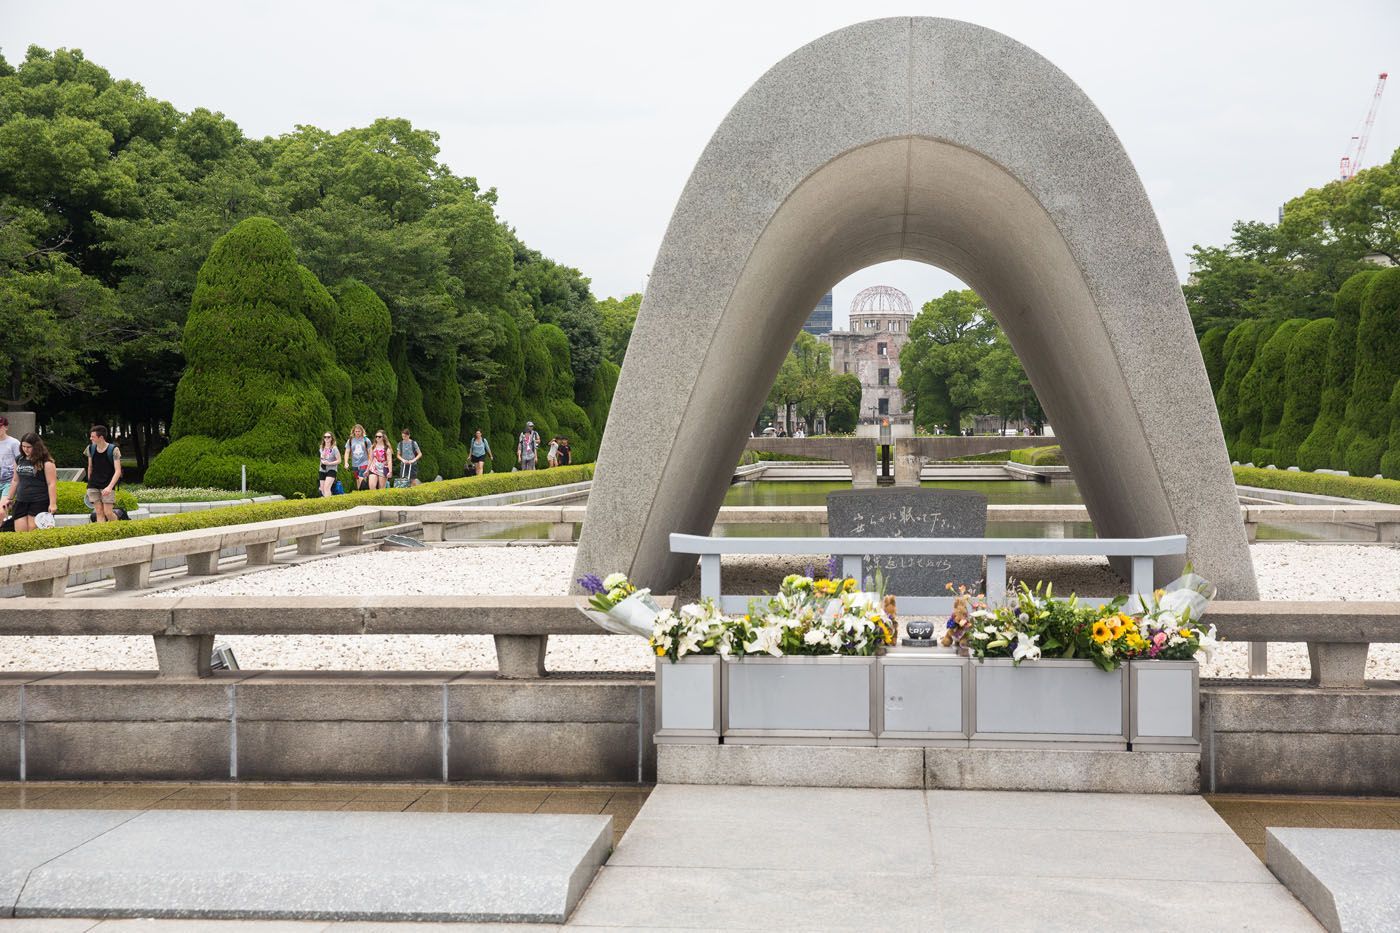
24, 847
1348, 878
293, 865
778, 858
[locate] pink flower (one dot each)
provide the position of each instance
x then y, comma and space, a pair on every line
1159, 639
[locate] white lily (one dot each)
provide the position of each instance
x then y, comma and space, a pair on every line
767, 639
1208, 642
1026, 649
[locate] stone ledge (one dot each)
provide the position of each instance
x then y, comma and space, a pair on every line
1347, 877
365, 866
940, 768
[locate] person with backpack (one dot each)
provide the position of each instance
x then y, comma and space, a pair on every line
330, 464
357, 456
409, 455
104, 471
35, 490
527, 448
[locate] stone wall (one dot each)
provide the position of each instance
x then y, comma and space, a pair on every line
316, 726
1262, 737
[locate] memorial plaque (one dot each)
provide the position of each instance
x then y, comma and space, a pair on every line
913, 513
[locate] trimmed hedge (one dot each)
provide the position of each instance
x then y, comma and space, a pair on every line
71, 502
1321, 449
466, 488
1367, 427
1302, 389
1213, 355
1239, 350
1262, 390
255, 367
1050, 455
1322, 484
362, 348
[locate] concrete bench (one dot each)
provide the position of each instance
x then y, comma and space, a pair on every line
184, 628
1338, 633
1386, 518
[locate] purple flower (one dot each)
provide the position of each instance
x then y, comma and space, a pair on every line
592, 583
833, 567
810, 572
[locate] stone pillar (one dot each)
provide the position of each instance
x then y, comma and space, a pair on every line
203, 564
260, 554
562, 531
352, 535
520, 657
132, 576
1388, 532
46, 589
1338, 664
309, 544
184, 655
433, 531
863, 470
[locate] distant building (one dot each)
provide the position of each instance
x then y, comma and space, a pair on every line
819, 321
881, 317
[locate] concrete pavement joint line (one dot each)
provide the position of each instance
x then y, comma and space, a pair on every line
446, 733
232, 732
21, 733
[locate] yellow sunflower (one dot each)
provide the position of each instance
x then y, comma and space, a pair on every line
1102, 633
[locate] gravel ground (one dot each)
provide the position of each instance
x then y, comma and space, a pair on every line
1286, 571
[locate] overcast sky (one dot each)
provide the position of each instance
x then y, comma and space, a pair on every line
587, 117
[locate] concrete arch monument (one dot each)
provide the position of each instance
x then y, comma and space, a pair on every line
940, 141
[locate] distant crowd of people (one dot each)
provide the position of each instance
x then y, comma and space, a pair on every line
371, 460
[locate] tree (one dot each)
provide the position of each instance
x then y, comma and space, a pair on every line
1242, 344
1302, 389
1377, 371
618, 316
253, 390
1323, 446
844, 413
362, 348
1262, 396
805, 383
1004, 389
938, 366
1213, 355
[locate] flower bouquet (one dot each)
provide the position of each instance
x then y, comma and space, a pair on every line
1034, 623
616, 606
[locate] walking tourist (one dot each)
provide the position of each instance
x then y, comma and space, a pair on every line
9, 453
357, 456
380, 464
552, 458
480, 451
527, 448
35, 489
330, 464
409, 455
104, 471
566, 455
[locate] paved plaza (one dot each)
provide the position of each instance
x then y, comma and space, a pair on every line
703, 857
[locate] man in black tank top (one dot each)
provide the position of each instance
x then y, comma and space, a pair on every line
104, 471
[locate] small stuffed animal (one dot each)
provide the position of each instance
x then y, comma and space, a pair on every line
959, 623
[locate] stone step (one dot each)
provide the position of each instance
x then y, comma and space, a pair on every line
264, 865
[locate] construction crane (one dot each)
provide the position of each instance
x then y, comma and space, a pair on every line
1356, 149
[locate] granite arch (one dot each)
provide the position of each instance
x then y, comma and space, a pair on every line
945, 142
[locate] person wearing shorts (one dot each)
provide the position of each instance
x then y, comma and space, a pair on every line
330, 465
104, 471
480, 450
35, 488
357, 456
380, 462
409, 455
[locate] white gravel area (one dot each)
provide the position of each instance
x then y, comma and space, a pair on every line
1286, 571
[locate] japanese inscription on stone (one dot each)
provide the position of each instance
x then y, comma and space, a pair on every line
913, 513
